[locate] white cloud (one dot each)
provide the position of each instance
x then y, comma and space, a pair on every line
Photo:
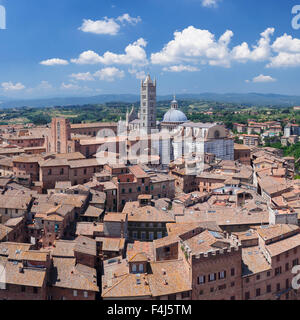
210, 3
288, 52
87, 76
108, 26
262, 79
134, 55
195, 45
109, 74
260, 52
284, 59
181, 68
69, 86
139, 74
126, 18
9, 86
286, 43
54, 62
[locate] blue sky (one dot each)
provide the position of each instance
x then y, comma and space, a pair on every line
89, 47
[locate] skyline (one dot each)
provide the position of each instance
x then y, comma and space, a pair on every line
190, 46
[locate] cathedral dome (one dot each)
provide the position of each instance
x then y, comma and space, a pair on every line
174, 115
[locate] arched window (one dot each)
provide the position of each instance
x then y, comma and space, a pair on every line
58, 130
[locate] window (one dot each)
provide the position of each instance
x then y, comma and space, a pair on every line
133, 268
212, 277
258, 277
232, 272
232, 298
258, 292
269, 288
268, 273
58, 146
58, 130
61, 171
151, 235
134, 235
295, 262
23, 289
247, 295
232, 284
159, 235
141, 268
278, 258
201, 279
35, 290
222, 275
277, 271
286, 266
75, 293
49, 172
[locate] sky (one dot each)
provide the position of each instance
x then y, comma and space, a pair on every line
54, 48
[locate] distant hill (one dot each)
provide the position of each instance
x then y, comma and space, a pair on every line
250, 99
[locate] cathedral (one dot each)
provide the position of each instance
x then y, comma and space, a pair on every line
184, 137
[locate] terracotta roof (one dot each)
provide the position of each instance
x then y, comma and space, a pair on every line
15, 202
138, 247
93, 212
138, 172
284, 245
111, 244
28, 277
89, 228
168, 277
115, 217
273, 231
72, 276
146, 214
